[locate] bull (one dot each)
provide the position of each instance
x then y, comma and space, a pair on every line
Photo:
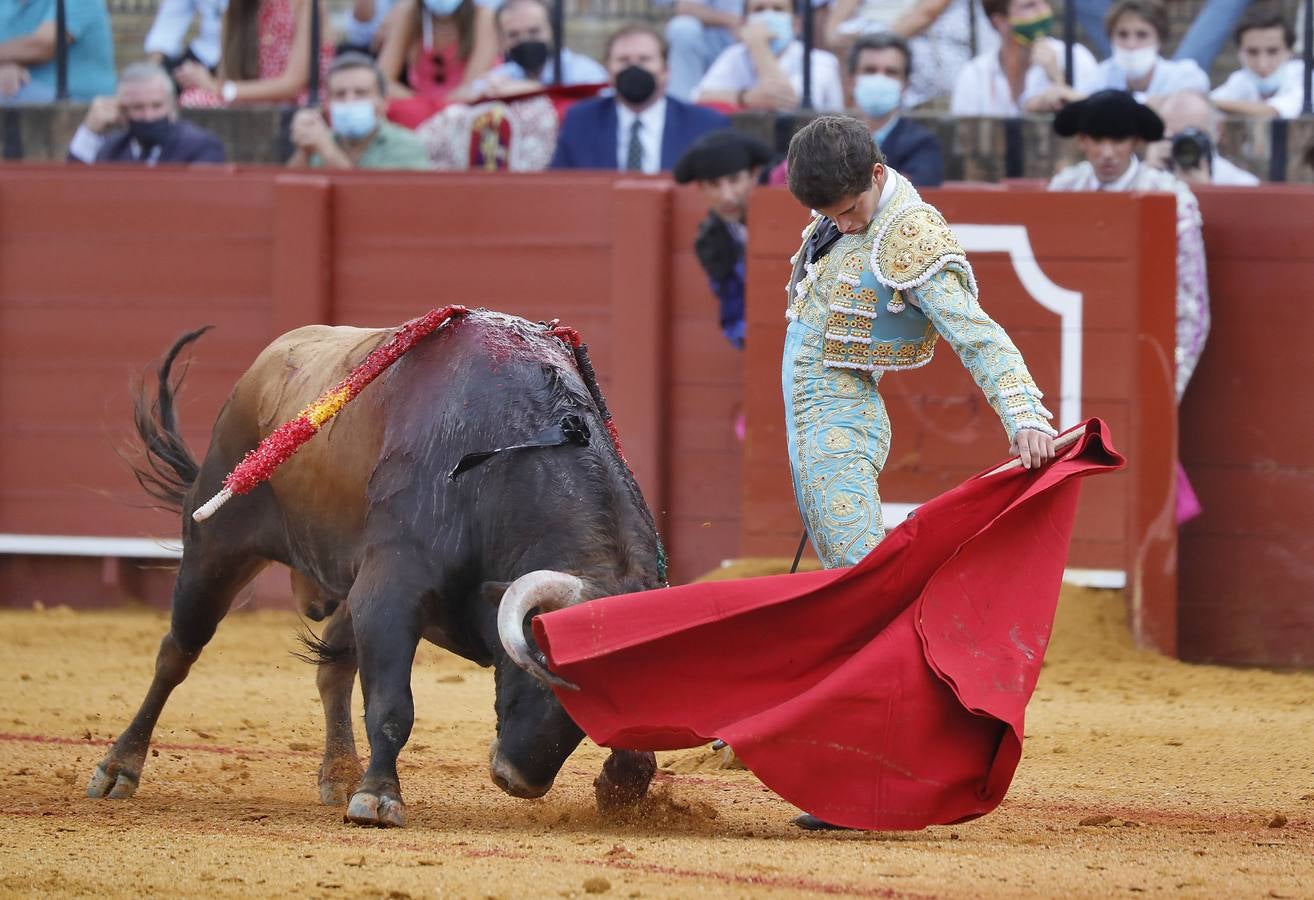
387, 547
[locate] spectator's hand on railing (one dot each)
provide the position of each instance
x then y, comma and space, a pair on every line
771, 93
104, 115
192, 74
1052, 99
13, 77
311, 133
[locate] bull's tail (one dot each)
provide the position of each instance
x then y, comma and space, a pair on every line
167, 469
319, 652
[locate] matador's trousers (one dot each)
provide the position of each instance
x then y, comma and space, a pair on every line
839, 436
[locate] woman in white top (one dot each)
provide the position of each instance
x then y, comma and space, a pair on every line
1137, 29
1026, 74
765, 69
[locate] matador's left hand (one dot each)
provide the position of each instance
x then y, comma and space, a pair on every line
1035, 447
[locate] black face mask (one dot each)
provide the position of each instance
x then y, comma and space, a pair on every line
153, 133
529, 55
636, 84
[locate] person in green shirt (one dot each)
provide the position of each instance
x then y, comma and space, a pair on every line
356, 134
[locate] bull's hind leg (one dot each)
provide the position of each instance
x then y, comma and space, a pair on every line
624, 779
387, 622
202, 595
341, 770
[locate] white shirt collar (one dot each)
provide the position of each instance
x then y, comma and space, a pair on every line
652, 118
1123, 181
887, 192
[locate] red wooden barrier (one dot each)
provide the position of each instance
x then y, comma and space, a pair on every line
1247, 563
101, 269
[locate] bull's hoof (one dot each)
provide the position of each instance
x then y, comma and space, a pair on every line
338, 779
112, 783
624, 780
376, 811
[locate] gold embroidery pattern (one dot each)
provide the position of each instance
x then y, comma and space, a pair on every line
841, 438
918, 243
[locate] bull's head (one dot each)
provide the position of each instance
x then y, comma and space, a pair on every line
535, 735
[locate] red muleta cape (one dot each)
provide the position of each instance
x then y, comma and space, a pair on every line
888, 695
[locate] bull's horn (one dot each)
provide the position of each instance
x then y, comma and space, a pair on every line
543, 590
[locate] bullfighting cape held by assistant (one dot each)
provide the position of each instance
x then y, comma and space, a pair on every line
887, 695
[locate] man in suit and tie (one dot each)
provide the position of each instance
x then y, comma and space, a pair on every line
880, 65
639, 129
140, 125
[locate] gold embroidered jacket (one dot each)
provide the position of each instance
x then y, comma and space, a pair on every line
882, 297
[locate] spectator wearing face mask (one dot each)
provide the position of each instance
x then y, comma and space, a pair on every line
140, 124
357, 135
640, 128
765, 69
1138, 30
1026, 74
525, 36
1269, 84
881, 65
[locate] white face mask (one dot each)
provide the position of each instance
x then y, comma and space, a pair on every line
1136, 63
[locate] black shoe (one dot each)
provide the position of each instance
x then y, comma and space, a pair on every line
809, 822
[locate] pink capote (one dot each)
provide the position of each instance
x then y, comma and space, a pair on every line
889, 695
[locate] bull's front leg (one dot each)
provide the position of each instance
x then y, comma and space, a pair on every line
624, 779
387, 626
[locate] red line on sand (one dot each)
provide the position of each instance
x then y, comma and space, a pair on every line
156, 745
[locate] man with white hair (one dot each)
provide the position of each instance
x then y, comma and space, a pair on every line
140, 124
1192, 124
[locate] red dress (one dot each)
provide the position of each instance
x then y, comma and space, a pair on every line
888, 695
277, 28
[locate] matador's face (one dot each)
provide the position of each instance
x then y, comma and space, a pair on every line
854, 213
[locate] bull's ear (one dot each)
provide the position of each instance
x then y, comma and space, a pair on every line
491, 591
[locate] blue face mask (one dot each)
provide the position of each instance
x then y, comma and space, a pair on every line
876, 94
1269, 84
781, 26
443, 7
353, 119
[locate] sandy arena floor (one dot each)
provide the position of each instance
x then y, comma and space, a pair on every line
1140, 776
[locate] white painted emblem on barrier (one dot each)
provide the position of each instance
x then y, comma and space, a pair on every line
1013, 240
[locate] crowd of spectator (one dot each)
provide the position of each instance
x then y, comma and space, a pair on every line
402, 61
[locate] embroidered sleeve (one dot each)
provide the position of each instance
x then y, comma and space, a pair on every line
985, 349
1192, 295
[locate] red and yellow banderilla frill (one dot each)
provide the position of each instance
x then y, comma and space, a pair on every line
259, 464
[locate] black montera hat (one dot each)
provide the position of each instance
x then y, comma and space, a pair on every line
1111, 114
720, 153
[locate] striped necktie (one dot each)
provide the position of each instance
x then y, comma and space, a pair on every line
634, 155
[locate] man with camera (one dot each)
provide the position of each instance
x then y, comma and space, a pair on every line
1190, 150
1111, 127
